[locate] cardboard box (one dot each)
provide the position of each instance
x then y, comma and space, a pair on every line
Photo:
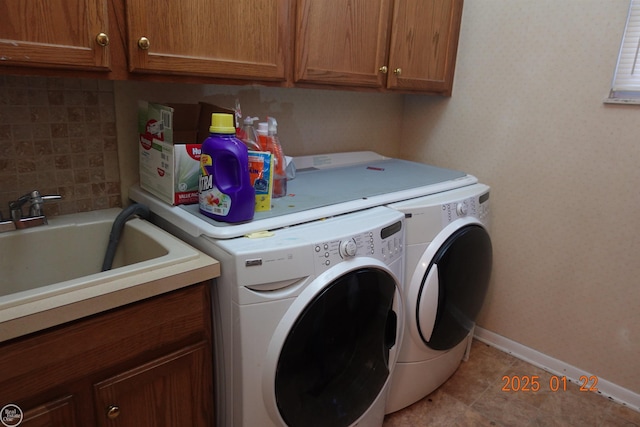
170, 141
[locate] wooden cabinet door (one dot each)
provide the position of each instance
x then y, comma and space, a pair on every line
56, 413
171, 391
54, 34
238, 39
342, 42
424, 43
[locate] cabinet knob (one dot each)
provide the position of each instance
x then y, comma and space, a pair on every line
113, 411
397, 71
144, 43
102, 39
383, 69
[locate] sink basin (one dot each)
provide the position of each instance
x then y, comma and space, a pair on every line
70, 248
57, 265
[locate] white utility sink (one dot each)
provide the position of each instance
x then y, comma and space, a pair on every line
59, 264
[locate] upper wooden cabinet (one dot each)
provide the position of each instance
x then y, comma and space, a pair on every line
397, 45
424, 43
408, 46
55, 34
342, 42
226, 38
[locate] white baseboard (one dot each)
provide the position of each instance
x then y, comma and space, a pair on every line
557, 367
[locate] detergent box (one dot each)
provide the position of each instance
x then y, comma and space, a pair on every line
260, 171
170, 140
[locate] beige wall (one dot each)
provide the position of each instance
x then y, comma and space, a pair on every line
309, 121
527, 118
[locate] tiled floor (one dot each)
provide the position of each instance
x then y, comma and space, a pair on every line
473, 396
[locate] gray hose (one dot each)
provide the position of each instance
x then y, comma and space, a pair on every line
116, 230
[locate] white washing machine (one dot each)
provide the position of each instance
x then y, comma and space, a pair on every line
308, 321
448, 266
256, 305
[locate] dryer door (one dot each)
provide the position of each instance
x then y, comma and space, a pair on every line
335, 359
454, 286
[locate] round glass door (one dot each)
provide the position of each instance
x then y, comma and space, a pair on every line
463, 270
335, 360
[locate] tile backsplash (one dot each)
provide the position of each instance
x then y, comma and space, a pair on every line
58, 136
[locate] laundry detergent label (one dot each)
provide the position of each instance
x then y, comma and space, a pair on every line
210, 198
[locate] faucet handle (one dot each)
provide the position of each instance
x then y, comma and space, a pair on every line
37, 201
15, 207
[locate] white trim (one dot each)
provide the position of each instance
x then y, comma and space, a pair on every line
623, 101
557, 367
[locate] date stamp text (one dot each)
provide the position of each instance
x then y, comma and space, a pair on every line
533, 383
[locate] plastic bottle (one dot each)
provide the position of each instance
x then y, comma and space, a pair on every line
262, 132
270, 143
225, 192
248, 134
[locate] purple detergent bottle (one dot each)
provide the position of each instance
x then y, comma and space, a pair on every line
225, 192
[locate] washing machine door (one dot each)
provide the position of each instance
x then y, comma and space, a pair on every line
335, 359
454, 284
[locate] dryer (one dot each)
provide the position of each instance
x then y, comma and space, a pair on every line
308, 321
448, 267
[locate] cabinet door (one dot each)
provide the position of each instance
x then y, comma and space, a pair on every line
54, 34
424, 43
171, 391
239, 39
60, 412
342, 42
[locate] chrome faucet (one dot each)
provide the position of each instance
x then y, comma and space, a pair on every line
36, 214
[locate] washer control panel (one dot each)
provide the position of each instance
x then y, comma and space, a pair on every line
386, 245
477, 206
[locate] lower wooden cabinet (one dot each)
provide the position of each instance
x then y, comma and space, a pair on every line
58, 413
168, 391
145, 364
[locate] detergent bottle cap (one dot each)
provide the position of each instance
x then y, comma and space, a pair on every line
222, 123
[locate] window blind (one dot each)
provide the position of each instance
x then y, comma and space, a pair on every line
626, 80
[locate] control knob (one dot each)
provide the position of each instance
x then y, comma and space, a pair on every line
461, 209
348, 248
